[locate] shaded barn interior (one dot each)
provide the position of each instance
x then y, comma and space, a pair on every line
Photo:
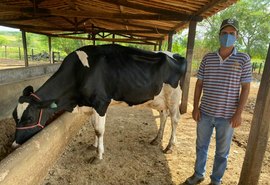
140, 22
145, 22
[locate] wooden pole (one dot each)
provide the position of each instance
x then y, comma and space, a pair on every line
5, 51
259, 132
186, 80
50, 49
170, 41
20, 56
113, 36
25, 48
160, 45
94, 39
32, 54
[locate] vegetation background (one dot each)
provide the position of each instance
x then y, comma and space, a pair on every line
253, 17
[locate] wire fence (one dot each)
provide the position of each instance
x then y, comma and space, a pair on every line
34, 54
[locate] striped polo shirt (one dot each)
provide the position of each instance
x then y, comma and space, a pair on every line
222, 82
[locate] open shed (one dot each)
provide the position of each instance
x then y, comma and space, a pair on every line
146, 22
140, 22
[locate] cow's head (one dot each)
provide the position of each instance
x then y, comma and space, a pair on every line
31, 115
178, 66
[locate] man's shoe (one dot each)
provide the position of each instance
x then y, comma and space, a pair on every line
215, 183
193, 180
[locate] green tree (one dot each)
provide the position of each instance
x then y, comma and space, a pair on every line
254, 18
3, 40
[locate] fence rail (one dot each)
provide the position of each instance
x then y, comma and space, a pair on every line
8, 52
16, 53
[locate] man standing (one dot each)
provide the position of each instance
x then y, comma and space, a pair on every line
223, 81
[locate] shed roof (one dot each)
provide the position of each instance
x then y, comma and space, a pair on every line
139, 21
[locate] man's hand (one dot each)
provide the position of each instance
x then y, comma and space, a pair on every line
236, 120
196, 115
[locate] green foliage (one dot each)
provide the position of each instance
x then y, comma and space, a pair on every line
3, 40
253, 17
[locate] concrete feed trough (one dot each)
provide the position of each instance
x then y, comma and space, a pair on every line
29, 164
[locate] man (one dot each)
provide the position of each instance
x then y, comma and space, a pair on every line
224, 78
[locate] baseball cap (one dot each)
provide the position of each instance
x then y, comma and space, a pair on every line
230, 22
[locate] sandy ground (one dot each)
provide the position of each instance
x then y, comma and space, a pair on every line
130, 159
9, 63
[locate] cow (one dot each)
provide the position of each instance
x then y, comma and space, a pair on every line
93, 76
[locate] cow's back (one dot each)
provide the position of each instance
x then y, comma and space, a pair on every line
123, 74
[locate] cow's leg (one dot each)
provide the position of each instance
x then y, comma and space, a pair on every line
175, 117
163, 118
98, 123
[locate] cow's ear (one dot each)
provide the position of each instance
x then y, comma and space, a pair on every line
24, 99
28, 90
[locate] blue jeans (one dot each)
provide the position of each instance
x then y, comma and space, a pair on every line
224, 133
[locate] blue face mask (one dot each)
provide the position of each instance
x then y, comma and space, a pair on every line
227, 40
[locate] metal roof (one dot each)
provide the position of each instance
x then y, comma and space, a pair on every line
139, 21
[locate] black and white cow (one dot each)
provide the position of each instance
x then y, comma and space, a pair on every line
93, 76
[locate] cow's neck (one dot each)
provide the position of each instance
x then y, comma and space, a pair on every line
60, 87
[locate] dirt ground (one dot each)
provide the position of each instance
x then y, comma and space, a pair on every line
130, 159
9, 63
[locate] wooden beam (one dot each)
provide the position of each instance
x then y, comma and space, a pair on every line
259, 131
186, 80
148, 8
170, 41
97, 15
206, 7
128, 40
82, 31
25, 48
139, 26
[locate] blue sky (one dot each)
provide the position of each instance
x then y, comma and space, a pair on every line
3, 28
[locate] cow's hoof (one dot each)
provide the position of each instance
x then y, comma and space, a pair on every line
94, 160
92, 147
168, 151
154, 142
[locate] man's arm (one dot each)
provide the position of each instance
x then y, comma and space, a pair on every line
237, 119
197, 96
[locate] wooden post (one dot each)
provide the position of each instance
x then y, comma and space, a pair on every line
155, 47
53, 55
113, 36
186, 80
5, 51
170, 41
50, 49
25, 48
20, 56
94, 39
32, 54
160, 45
259, 131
